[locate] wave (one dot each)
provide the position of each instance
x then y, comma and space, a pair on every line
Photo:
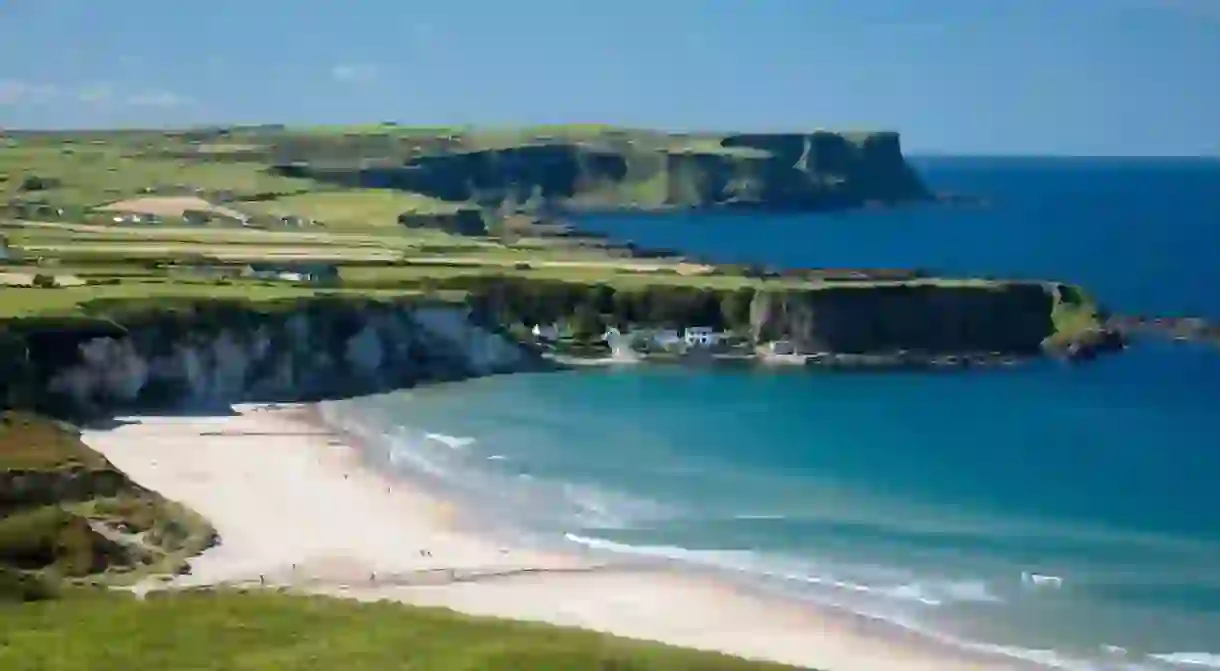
1041, 580
746, 517
607, 509
928, 593
1190, 659
452, 442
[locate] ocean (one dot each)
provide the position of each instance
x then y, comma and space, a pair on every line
1062, 514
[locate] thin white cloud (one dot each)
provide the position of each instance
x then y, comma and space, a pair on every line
11, 91
359, 72
157, 99
16, 92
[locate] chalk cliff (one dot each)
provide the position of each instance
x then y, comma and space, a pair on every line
212, 353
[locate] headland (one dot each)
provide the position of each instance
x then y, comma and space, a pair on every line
181, 272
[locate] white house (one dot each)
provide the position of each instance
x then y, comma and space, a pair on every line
700, 336
548, 333
666, 338
781, 347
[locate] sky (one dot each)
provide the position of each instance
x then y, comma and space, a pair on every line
1075, 77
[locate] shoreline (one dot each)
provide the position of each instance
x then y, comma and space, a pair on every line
297, 505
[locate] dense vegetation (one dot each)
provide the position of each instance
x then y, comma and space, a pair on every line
66, 513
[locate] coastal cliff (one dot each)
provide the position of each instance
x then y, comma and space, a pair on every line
219, 352
930, 316
1013, 318
806, 171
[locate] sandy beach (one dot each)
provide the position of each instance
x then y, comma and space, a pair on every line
295, 507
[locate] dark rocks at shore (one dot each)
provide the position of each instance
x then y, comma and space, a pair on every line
961, 200
913, 361
1181, 329
1090, 345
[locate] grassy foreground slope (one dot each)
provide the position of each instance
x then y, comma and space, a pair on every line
265, 631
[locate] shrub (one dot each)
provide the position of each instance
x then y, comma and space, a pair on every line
20, 586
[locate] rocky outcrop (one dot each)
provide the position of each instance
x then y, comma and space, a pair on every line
808, 171
219, 353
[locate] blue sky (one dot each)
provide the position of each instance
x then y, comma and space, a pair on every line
1086, 77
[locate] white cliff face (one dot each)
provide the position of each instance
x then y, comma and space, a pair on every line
285, 359
364, 350
109, 369
485, 351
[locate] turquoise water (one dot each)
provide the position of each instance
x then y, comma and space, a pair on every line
930, 499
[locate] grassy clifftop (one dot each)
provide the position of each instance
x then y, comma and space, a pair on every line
643, 170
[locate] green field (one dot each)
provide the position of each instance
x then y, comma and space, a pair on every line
234, 631
355, 208
27, 302
89, 176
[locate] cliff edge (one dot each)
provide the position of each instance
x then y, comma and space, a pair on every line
637, 170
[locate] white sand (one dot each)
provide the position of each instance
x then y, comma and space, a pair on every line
293, 506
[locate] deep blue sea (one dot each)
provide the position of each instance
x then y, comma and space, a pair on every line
942, 501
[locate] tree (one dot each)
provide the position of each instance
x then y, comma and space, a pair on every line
586, 322
735, 308
36, 183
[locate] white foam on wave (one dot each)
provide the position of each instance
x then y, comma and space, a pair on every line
400, 454
497, 457
759, 517
606, 509
1208, 660
452, 442
931, 593
1041, 580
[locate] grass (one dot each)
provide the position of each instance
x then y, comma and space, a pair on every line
95, 176
1074, 314
57, 232
70, 250
262, 631
23, 302
28, 442
52, 538
47, 536
357, 208
151, 536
